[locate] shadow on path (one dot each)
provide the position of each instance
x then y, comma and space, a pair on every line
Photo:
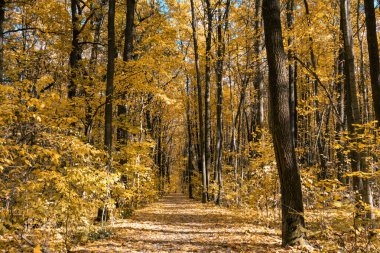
177, 224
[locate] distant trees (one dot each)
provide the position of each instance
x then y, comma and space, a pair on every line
201, 127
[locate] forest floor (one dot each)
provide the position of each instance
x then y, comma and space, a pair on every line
177, 224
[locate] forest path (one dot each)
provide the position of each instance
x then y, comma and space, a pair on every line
177, 224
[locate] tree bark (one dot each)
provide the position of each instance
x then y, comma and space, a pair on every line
361, 83
75, 54
219, 97
292, 73
258, 82
373, 53
97, 25
103, 212
2, 19
190, 167
209, 16
200, 113
129, 30
291, 193
361, 186
110, 76
340, 127
127, 56
351, 100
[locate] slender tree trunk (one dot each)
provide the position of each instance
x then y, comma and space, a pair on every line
127, 56
258, 81
219, 98
2, 19
373, 52
233, 118
361, 186
320, 141
291, 69
362, 85
340, 123
76, 51
190, 141
103, 212
97, 25
209, 16
110, 76
351, 101
200, 114
160, 155
291, 194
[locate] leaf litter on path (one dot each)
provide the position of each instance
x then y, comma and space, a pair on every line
177, 224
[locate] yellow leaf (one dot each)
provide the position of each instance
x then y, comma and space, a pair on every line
37, 249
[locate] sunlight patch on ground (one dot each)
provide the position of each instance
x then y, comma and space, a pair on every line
176, 224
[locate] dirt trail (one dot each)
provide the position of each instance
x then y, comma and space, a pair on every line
177, 224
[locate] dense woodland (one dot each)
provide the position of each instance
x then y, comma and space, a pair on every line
266, 105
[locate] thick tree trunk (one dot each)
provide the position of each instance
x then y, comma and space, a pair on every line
129, 30
200, 113
291, 193
373, 53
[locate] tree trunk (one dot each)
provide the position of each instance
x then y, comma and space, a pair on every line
361, 186
110, 76
351, 100
209, 16
97, 25
373, 53
361, 83
127, 56
129, 30
292, 73
291, 193
340, 123
75, 54
258, 81
190, 141
103, 213
200, 114
219, 98
2, 19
